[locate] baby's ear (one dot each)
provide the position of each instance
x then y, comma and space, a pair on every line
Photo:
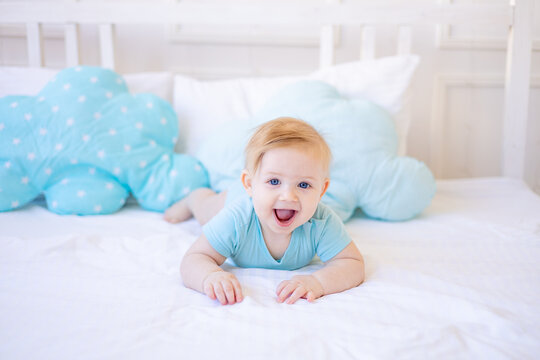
246, 181
325, 186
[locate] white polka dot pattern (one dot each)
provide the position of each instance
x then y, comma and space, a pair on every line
86, 143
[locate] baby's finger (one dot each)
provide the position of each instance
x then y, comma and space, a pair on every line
237, 290
281, 286
209, 291
297, 294
288, 290
229, 291
220, 293
310, 296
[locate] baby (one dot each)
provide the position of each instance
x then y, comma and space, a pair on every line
277, 222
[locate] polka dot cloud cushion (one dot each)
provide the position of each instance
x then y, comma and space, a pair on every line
86, 143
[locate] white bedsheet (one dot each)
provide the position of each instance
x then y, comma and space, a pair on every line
462, 281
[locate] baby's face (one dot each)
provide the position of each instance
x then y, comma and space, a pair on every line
286, 189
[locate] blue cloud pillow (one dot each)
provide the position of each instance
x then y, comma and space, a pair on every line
86, 143
366, 172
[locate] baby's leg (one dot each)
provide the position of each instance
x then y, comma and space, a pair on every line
203, 204
178, 212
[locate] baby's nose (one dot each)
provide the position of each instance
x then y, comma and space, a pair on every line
288, 194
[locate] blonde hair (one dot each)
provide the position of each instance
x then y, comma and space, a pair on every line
285, 132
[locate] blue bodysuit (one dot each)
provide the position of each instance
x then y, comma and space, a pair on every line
235, 232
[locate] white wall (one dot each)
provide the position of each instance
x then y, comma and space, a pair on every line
464, 72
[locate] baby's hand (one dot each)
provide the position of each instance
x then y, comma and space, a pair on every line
224, 286
300, 286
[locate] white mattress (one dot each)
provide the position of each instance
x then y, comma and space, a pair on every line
461, 281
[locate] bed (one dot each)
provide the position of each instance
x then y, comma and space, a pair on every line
459, 280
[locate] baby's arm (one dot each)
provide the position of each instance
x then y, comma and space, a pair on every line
342, 272
200, 271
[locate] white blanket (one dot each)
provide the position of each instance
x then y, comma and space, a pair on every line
461, 281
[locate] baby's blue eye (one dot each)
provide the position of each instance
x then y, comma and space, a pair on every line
304, 185
274, 182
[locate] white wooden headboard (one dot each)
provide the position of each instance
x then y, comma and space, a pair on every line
517, 15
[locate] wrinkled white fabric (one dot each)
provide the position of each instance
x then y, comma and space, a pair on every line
459, 282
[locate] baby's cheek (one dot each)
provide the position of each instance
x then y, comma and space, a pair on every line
312, 207
259, 208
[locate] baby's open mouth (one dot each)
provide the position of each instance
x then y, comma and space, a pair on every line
284, 217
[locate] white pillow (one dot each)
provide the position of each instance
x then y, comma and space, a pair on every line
203, 105
23, 80
29, 81
157, 83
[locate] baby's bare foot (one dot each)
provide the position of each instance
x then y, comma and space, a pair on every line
178, 212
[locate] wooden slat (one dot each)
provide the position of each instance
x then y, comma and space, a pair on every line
403, 120
436, 136
256, 12
72, 44
517, 88
326, 55
106, 45
367, 46
404, 40
34, 44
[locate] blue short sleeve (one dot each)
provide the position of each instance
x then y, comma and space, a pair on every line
221, 232
333, 236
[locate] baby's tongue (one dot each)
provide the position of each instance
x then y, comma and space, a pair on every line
284, 214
